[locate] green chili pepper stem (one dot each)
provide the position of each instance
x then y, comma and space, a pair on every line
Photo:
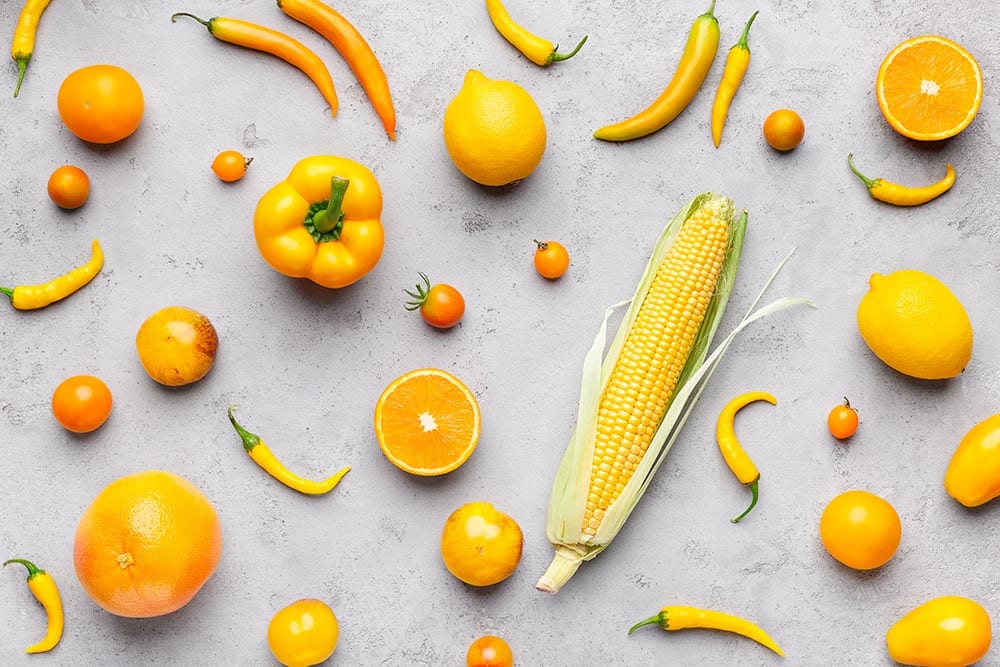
22, 67
207, 24
658, 619
33, 570
710, 11
328, 220
556, 57
742, 44
250, 440
869, 182
753, 490
8, 291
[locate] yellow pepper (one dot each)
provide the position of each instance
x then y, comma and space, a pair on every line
903, 195
973, 474
699, 52
31, 297
536, 49
265, 458
23, 44
322, 222
737, 63
734, 455
43, 587
949, 631
678, 617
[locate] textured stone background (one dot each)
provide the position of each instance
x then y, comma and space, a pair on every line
306, 364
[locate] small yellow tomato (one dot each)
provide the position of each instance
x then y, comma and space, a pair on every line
101, 104
551, 259
842, 421
230, 166
304, 633
81, 403
69, 187
949, 631
860, 530
177, 345
480, 544
489, 651
973, 474
784, 130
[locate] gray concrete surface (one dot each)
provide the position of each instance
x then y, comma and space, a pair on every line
306, 364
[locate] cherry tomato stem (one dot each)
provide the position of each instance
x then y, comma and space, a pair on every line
440, 305
551, 259
230, 166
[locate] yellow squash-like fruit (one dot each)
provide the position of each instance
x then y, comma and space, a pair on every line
973, 475
949, 631
914, 323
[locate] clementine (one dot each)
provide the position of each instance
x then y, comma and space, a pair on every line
147, 544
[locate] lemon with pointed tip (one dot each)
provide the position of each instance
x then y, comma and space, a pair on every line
493, 130
916, 325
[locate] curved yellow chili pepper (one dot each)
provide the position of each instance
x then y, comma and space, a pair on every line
699, 52
732, 76
265, 458
23, 44
31, 297
902, 195
43, 587
679, 617
261, 38
537, 49
736, 458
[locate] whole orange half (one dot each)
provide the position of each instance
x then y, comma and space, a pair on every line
427, 422
929, 88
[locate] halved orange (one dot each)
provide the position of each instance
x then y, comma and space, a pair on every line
427, 422
929, 88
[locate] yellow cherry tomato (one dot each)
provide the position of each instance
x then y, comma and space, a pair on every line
177, 345
784, 130
304, 633
69, 187
230, 166
480, 544
81, 403
489, 651
551, 259
949, 631
860, 530
842, 421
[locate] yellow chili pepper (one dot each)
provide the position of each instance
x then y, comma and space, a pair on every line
732, 76
265, 458
537, 49
736, 458
902, 195
678, 617
267, 40
30, 297
702, 45
43, 587
23, 44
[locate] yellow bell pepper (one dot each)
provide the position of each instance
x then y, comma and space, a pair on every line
322, 222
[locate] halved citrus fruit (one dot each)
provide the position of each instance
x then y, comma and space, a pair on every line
929, 88
427, 422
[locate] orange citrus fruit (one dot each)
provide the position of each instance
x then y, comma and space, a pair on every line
929, 88
480, 544
427, 422
147, 544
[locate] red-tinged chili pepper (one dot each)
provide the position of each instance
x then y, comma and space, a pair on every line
732, 76
31, 297
261, 38
23, 44
43, 587
265, 458
699, 52
352, 46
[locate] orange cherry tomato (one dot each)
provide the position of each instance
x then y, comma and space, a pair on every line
784, 130
81, 403
441, 305
489, 651
860, 530
842, 421
69, 187
230, 165
100, 103
551, 259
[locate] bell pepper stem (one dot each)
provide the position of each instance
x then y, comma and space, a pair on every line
652, 620
33, 570
753, 501
556, 57
329, 219
250, 440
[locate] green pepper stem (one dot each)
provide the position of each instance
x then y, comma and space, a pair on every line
33, 570
327, 220
742, 44
22, 67
753, 502
8, 291
710, 11
207, 24
652, 620
250, 440
555, 56
869, 182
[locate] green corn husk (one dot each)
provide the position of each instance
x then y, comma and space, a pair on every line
568, 499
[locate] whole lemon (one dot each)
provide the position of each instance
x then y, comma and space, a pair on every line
913, 323
493, 130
